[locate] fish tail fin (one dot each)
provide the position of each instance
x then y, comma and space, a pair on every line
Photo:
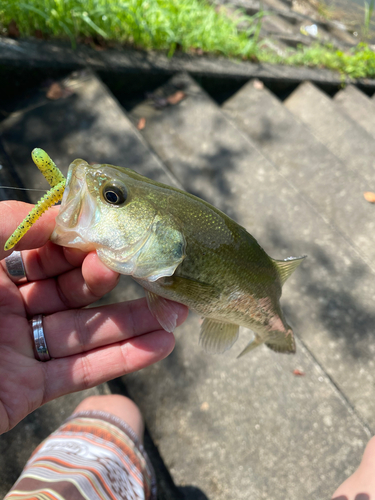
287, 266
285, 342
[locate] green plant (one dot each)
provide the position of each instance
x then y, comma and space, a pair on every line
369, 8
169, 25
157, 24
358, 62
324, 10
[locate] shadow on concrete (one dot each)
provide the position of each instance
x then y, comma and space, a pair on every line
9, 177
192, 493
24, 87
338, 309
71, 128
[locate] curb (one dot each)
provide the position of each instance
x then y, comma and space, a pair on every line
29, 54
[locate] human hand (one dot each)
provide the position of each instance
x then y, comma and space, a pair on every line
87, 346
361, 484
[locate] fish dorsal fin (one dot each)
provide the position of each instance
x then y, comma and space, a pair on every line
217, 337
287, 266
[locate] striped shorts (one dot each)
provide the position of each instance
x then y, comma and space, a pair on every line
92, 456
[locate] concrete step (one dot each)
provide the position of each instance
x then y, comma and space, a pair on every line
285, 19
224, 426
358, 106
326, 182
342, 135
329, 301
9, 178
273, 26
292, 40
23, 59
88, 122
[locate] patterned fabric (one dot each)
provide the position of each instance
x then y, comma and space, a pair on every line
92, 456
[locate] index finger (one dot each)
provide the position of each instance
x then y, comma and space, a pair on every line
11, 215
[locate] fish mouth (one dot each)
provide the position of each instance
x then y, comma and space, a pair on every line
77, 211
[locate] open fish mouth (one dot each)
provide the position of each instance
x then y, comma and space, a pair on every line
77, 211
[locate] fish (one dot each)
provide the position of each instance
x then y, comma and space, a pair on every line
178, 247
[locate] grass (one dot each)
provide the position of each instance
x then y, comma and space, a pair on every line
170, 25
358, 62
156, 24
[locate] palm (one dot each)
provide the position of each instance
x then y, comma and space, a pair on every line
22, 378
88, 346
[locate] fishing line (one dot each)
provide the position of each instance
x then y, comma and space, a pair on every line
24, 189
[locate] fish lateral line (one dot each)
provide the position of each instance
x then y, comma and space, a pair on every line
56, 180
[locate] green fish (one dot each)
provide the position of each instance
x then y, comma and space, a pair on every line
177, 247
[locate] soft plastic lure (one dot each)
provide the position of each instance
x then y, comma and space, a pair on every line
57, 182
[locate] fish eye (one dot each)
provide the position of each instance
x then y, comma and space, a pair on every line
114, 194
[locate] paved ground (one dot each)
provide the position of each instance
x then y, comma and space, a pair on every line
222, 428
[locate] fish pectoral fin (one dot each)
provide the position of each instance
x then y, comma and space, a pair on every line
251, 345
286, 267
163, 310
217, 337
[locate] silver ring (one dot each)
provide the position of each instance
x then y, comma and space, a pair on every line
15, 267
40, 344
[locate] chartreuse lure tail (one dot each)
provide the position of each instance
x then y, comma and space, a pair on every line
56, 180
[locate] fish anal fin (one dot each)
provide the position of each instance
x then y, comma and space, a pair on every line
286, 267
163, 310
283, 343
217, 337
253, 344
